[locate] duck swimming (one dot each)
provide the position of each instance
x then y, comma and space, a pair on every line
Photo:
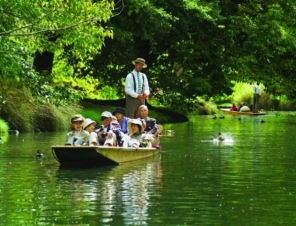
220, 137
39, 154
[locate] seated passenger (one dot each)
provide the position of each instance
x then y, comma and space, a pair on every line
89, 126
244, 108
240, 106
234, 107
151, 126
108, 134
119, 113
135, 130
77, 136
123, 137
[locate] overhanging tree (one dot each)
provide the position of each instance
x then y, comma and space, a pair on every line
78, 30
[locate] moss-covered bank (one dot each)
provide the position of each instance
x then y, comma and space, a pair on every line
28, 117
93, 109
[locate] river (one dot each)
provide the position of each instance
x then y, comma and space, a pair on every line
248, 180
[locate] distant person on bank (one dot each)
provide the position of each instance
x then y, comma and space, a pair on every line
136, 88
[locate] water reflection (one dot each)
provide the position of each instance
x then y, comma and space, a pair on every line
197, 182
122, 190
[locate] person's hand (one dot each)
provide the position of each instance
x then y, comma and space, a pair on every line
141, 97
135, 146
110, 135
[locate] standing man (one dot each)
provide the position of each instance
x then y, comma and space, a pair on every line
256, 97
136, 88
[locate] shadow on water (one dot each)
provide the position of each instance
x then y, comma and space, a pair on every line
196, 181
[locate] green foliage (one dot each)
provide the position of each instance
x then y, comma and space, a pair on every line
71, 30
242, 92
198, 48
3, 127
105, 93
280, 103
192, 48
205, 107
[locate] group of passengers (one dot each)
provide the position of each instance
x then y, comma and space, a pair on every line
116, 130
241, 108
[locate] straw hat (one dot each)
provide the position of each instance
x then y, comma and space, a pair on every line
134, 121
87, 122
77, 118
141, 61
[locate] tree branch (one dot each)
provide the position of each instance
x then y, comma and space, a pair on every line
9, 33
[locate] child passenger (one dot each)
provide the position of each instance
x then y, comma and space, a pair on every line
89, 126
77, 136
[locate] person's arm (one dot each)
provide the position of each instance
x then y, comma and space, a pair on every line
159, 130
129, 86
132, 142
146, 85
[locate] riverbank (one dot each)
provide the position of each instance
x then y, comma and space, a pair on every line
93, 109
49, 118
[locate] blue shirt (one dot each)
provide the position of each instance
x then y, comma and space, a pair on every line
123, 124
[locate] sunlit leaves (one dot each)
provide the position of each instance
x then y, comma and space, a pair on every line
57, 26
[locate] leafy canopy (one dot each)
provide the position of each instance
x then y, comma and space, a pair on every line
63, 27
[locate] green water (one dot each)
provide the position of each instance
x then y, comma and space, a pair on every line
195, 181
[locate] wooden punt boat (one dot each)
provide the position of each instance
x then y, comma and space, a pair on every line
89, 156
234, 113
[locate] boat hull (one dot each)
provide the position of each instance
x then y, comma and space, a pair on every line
228, 112
99, 155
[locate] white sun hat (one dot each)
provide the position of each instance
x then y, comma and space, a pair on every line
87, 122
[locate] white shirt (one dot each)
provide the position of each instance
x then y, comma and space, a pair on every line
129, 84
93, 138
256, 89
244, 108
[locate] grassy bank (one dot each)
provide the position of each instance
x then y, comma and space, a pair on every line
93, 110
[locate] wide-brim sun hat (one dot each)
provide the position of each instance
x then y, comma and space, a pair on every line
119, 110
77, 118
87, 122
106, 114
134, 121
141, 61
